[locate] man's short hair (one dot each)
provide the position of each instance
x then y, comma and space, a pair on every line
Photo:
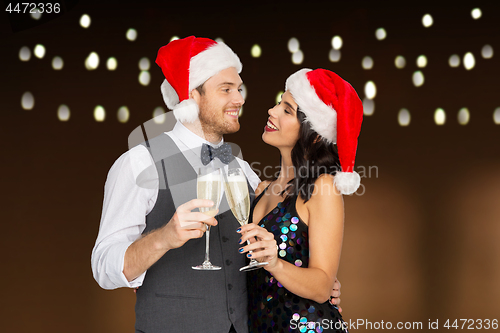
201, 88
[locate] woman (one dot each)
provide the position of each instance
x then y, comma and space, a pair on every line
298, 218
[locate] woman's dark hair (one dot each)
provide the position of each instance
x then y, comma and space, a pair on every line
312, 156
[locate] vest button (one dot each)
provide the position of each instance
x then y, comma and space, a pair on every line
231, 310
228, 262
224, 239
230, 286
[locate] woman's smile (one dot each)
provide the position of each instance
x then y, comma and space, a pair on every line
270, 127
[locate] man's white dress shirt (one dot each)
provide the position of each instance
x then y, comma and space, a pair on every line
128, 200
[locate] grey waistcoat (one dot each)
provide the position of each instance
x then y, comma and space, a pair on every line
173, 296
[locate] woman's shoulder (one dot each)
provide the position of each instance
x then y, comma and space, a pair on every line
262, 186
325, 191
324, 198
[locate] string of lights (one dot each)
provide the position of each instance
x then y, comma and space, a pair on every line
92, 62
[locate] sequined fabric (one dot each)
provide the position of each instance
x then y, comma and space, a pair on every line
272, 308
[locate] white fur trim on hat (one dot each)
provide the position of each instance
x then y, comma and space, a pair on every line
323, 118
186, 111
169, 94
210, 62
347, 182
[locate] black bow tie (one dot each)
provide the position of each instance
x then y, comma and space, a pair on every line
208, 153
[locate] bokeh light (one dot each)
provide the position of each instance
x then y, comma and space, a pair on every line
36, 14
24, 53
370, 90
454, 60
123, 114
159, 115
298, 57
487, 52
131, 34
63, 112
174, 38
368, 106
256, 51
400, 62
27, 101
367, 62
463, 116
496, 116
404, 117
144, 78
418, 78
144, 64
334, 55
293, 45
85, 21
337, 42
219, 40
278, 96
380, 33
427, 20
476, 13
39, 51
99, 113
112, 63
439, 117
92, 61
422, 61
469, 61
57, 63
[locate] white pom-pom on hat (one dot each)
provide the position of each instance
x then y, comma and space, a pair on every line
347, 182
186, 111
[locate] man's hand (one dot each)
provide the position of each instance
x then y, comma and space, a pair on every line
145, 251
335, 297
175, 232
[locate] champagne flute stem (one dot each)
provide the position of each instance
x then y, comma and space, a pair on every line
207, 247
252, 260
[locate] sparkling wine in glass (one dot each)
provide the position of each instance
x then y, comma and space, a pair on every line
209, 186
235, 184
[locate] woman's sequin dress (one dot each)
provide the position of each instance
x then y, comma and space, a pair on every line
272, 308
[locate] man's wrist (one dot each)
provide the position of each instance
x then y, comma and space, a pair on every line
161, 242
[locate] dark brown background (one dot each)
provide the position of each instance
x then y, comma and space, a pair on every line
421, 243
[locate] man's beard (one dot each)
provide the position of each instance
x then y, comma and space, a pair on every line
212, 121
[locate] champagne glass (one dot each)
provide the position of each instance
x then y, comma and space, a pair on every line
208, 187
239, 201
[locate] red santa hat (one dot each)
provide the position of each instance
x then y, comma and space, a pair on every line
335, 112
186, 64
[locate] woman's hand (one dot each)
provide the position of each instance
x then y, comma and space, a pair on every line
335, 296
262, 244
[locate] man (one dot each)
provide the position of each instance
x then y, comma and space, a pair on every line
148, 200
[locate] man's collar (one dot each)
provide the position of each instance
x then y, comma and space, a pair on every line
190, 139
